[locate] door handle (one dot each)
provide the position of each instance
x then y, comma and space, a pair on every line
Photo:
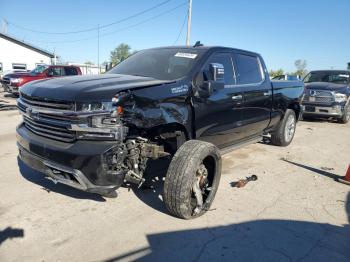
237, 98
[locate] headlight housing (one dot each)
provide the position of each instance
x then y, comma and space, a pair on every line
94, 106
340, 97
16, 80
102, 121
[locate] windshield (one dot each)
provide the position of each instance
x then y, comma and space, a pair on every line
330, 77
39, 69
162, 64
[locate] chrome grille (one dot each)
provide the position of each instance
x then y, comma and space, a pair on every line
50, 131
42, 123
47, 103
318, 99
6, 80
319, 96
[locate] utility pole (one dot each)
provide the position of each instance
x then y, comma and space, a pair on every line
189, 22
98, 48
4, 26
55, 57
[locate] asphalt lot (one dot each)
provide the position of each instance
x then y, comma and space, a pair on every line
295, 211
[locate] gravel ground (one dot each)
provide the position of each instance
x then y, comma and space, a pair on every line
295, 211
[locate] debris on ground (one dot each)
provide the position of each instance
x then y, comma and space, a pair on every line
46, 189
324, 168
243, 182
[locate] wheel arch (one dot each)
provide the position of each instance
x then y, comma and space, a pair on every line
296, 107
169, 128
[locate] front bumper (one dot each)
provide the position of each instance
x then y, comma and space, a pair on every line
14, 89
83, 164
336, 110
6, 86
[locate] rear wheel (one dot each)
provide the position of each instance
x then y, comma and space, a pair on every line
284, 134
192, 179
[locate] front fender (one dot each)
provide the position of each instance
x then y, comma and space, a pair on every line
165, 105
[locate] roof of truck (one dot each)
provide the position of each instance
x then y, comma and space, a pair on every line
203, 47
332, 70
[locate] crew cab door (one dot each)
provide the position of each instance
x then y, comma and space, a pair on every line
257, 93
56, 71
218, 115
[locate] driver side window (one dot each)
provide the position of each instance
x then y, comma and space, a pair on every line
226, 61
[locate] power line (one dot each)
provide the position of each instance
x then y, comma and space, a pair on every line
92, 28
115, 31
181, 29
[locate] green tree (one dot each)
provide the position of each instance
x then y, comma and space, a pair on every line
120, 53
89, 63
301, 67
278, 72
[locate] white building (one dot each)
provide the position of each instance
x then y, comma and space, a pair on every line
18, 55
87, 69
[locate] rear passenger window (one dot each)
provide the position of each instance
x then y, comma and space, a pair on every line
57, 71
70, 71
248, 69
225, 60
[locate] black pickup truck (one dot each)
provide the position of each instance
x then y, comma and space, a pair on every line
327, 94
183, 103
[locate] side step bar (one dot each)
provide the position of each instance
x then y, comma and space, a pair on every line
233, 147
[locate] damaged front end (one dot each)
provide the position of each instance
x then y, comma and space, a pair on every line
84, 145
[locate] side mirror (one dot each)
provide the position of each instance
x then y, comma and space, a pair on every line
50, 73
217, 72
206, 89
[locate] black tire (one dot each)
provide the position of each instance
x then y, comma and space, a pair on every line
284, 133
185, 171
346, 116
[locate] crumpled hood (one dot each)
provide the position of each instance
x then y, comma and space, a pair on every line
327, 86
87, 88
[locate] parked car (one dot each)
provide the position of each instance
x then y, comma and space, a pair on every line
287, 77
13, 81
327, 94
185, 103
6, 72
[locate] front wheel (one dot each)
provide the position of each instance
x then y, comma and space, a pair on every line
346, 116
284, 133
192, 179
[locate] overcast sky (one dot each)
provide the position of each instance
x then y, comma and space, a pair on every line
281, 31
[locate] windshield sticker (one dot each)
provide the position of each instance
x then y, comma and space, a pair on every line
179, 89
186, 55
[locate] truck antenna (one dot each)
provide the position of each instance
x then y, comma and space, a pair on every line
197, 44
